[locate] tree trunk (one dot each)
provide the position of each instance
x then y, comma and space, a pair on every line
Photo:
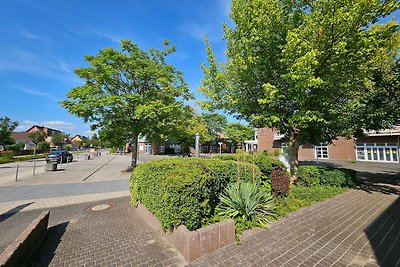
134, 148
293, 155
34, 150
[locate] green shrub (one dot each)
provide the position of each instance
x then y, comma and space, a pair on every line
7, 154
43, 146
280, 182
68, 147
301, 196
276, 152
313, 175
186, 190
246, 201
265, 163
308, 175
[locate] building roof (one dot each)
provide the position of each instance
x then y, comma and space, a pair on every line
394, 131
43, 128
20, 136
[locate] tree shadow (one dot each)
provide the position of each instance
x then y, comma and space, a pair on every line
46, 252
14, 211
384, 236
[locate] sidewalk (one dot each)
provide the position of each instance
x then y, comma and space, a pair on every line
358, 228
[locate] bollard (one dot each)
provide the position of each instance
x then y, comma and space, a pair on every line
34, 167
16, 175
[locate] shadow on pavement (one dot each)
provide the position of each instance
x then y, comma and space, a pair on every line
46, 251
14, 211
384, 236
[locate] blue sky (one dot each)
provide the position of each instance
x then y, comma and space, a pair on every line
42, 41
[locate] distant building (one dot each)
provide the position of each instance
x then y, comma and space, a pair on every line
49, 132
23, 137
379, 146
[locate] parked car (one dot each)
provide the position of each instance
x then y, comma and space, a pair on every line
59, 156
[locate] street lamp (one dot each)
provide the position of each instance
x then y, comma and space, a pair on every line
220, 147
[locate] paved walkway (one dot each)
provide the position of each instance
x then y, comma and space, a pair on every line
358, 228
116, 236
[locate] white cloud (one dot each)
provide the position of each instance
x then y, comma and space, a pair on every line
36, 93
113, 37
30, 35
24, 61
58, 125
195, 30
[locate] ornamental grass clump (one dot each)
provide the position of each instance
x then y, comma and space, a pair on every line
247, 203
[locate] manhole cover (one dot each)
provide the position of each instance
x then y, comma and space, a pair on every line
101, 207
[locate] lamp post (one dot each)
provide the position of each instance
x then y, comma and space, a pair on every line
220, 147
197, 146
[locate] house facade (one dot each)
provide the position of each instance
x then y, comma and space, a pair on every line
23, 137
49, 132
381, 146
169, 147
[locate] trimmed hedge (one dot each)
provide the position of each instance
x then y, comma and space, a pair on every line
186, 190
264, 162
326, 176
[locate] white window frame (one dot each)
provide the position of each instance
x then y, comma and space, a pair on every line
375, 147
321, 147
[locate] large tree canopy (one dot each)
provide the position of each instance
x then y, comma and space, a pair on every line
130, 93
6, 128
308, 68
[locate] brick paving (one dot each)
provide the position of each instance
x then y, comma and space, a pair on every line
117, 236
358, 228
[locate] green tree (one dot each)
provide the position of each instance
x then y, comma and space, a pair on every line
130, 93
186, 136
6, 128
307, 68
237, 133
215, 124
59, 139
36, 137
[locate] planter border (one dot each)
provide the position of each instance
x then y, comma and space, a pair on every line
193, 244
24, 246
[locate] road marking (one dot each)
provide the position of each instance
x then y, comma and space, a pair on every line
87, 177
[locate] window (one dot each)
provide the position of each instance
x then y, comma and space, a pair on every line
321, 152
377, 152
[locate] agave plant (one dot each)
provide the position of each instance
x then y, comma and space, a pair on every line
248, 201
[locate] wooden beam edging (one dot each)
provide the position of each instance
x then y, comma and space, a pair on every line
193, 244
23, 247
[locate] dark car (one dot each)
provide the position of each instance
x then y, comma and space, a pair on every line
59, 156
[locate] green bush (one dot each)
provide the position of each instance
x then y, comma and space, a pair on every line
16, 147
301, 196
276, 152
186, 190
246, 201
308, 175
7, 154
313, 175
263, 161
43, 146
68, 147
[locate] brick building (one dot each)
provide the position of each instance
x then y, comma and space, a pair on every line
382, 146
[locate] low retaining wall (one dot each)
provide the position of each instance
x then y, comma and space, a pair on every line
19, 251
194, 244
